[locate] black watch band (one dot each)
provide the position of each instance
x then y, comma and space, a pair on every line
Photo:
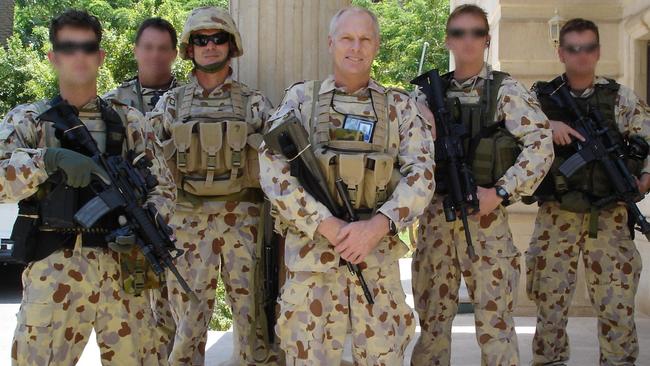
503, 194
392, 228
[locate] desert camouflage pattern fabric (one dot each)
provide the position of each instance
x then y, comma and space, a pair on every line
440, 259
219, 238
337, 302
441, 254
319, 308
612, 269
127, 93
209, 17
612, 263
632, 113
71, 292
524, 119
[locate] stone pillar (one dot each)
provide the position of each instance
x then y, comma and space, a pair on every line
6, 20
285, 41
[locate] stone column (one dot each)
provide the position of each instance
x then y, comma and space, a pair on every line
6, 20
285, 41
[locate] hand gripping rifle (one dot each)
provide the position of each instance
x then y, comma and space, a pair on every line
127, 190
449, 149
291, 139
601, 147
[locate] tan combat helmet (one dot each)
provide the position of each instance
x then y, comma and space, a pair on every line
210, 17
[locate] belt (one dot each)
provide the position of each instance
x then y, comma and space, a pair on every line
253, 195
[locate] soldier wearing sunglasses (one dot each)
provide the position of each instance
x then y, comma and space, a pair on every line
210, 129
74, 281
509, 150
569, 221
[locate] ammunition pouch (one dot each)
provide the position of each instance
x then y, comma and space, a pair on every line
494, 154
43, 219
370, 177
136, 274
213, 158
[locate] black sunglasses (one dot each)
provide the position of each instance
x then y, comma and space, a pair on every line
70, 47
461, 33
202, 40
574, 49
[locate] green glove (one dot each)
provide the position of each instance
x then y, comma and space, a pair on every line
77, 167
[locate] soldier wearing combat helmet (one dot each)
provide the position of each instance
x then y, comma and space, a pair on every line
210, 129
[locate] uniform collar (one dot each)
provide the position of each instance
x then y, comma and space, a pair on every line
219, 90
91, 106
484, 74
598, 80
146, 90
328, 86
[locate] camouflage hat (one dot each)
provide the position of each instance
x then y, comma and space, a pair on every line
210, 17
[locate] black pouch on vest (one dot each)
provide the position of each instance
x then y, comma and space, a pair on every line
25, 231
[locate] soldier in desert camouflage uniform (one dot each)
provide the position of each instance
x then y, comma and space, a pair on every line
77, 285
155, 52
485, 99
210, 129
568, 221
356, 127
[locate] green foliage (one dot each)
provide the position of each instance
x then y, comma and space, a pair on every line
405, 26
25, 73
222, 315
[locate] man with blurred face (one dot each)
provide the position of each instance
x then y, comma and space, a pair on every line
75, 280
509, 151
364, 134
155, 52
570, 220
211, 128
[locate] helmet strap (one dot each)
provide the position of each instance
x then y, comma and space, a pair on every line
211, 68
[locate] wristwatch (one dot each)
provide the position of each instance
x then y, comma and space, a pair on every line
392, 228
505, 196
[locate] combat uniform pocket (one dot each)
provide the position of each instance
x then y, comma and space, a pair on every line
293, 324
211, 140
35, 315
495, 288
236, 137
377, 176
327, 162
351, 171
188, 157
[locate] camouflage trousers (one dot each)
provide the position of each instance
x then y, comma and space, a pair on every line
317, 308
612, 269
68, 294
220, 243
439, 260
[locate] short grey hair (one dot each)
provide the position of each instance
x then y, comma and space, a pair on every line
355, 9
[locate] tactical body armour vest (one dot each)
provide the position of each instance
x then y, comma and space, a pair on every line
489, 148
590, 184
130, 93
363, 156
213, 153
46, 218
